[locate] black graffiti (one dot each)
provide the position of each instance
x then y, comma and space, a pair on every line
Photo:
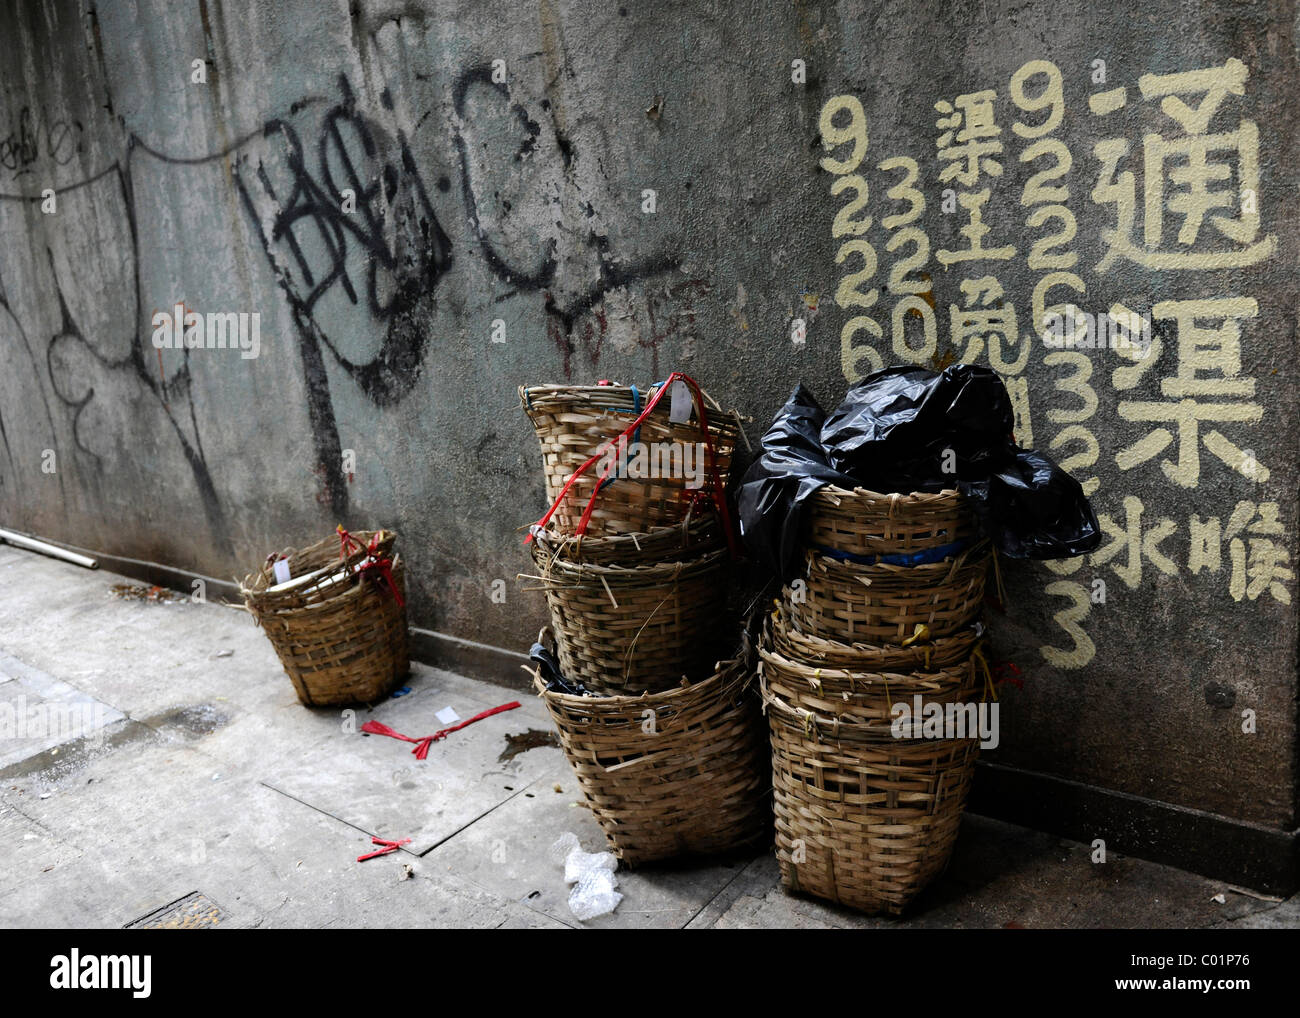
387, 214
70, 333
344, 210
563, 315
22, 147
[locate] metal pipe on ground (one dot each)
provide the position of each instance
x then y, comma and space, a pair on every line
45, 548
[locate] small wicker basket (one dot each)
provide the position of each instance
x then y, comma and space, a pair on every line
340, 632
681, 772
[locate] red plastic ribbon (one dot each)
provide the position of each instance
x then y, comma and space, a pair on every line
1007, 672
421, 749
389, 846
380, 564
719, 495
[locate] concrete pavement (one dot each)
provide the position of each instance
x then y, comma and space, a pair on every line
186, 786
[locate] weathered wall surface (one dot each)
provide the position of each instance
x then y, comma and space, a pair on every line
1142, 158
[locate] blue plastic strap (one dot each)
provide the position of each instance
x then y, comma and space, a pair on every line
636, 437
923, 557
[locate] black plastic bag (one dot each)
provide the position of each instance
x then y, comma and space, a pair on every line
908, 429
1031, 508
541, 656
773, 491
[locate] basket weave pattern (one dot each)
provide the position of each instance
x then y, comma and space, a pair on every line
574, 423
631, 629
695, 784
862, 522
885, 603
862, 820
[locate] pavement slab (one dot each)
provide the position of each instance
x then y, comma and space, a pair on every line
509, 853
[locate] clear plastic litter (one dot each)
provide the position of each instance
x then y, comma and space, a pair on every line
594, 895
592, 875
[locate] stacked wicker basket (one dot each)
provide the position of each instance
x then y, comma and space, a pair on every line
885, 610
668, 747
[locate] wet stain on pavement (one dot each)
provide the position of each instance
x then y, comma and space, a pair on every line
524, 741
194, 721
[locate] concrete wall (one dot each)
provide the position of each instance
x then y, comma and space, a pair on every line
499, 156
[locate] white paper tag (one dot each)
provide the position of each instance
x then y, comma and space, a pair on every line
447, 716
281, 569
679, 411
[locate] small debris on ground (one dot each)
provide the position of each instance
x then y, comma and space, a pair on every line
139, 592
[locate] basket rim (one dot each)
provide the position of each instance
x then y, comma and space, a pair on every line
560, 390
730, 668
782, 662
698, 529
863, 494
659, 571
968, 558
974, 632
255, 586
835, 728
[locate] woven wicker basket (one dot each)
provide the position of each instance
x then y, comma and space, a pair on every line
342, 640
696, 535
867, 523
633, 629
573, 423
924, 654
863, 698
695, 785
885, 603
861, 820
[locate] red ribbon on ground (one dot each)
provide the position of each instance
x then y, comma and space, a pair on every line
390, 846
421, 749
719, 495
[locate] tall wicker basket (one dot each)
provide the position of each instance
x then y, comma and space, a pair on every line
342, 637
681, 772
